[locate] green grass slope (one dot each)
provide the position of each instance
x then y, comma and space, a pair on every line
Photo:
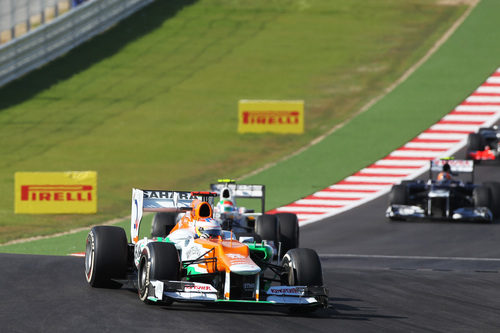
444, 81
153, 102
73, 242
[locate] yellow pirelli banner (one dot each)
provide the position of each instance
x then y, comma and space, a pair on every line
72, 192
260, 116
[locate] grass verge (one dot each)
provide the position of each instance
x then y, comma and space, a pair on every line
161, 112
449, 76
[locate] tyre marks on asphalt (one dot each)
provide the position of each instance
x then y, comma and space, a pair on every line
444, 138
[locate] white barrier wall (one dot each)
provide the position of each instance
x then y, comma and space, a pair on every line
52, 40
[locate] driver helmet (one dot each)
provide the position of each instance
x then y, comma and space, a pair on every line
445, 174
208, 228
442, 176
226, 206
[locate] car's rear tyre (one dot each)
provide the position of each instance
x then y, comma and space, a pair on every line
256, 237
494, 198
398, 195
288, 225
475, 142
106, 254
163, 223
159, 261
302, 267
481, 196
266, 226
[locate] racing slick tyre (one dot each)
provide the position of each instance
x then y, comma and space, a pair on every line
495, 198
288, 235
474, 143
163, 223
266, 226
398, 195
256, 237
159, 261
106, 255
481, 197
302, 267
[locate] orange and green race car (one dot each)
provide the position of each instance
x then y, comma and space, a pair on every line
198, 261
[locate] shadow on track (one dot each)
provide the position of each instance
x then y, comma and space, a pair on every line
339, 310
239, 308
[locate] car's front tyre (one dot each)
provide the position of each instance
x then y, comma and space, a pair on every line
302, 267
159, 261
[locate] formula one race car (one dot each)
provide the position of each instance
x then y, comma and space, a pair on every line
280, 230
444, 197
484, 145
198, 261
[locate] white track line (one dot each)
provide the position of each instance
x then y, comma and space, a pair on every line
484, 99
478, 108
320, 202
449, 127
374, 179
442, 136
458, 117
411, 153
357, 187
337, 196
493, 79
430, 145
372, 170
305, 209
329, 255
401, 163
489, 90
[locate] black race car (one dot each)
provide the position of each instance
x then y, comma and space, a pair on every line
444, 196
483, 145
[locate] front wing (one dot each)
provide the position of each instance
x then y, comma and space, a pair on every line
182, 291
479, 214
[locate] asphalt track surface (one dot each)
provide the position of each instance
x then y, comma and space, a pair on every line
383, 277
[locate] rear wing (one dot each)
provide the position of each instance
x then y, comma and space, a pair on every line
241, 191
160, 201
456, 166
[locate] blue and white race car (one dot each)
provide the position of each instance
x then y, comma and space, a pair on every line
445, 196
